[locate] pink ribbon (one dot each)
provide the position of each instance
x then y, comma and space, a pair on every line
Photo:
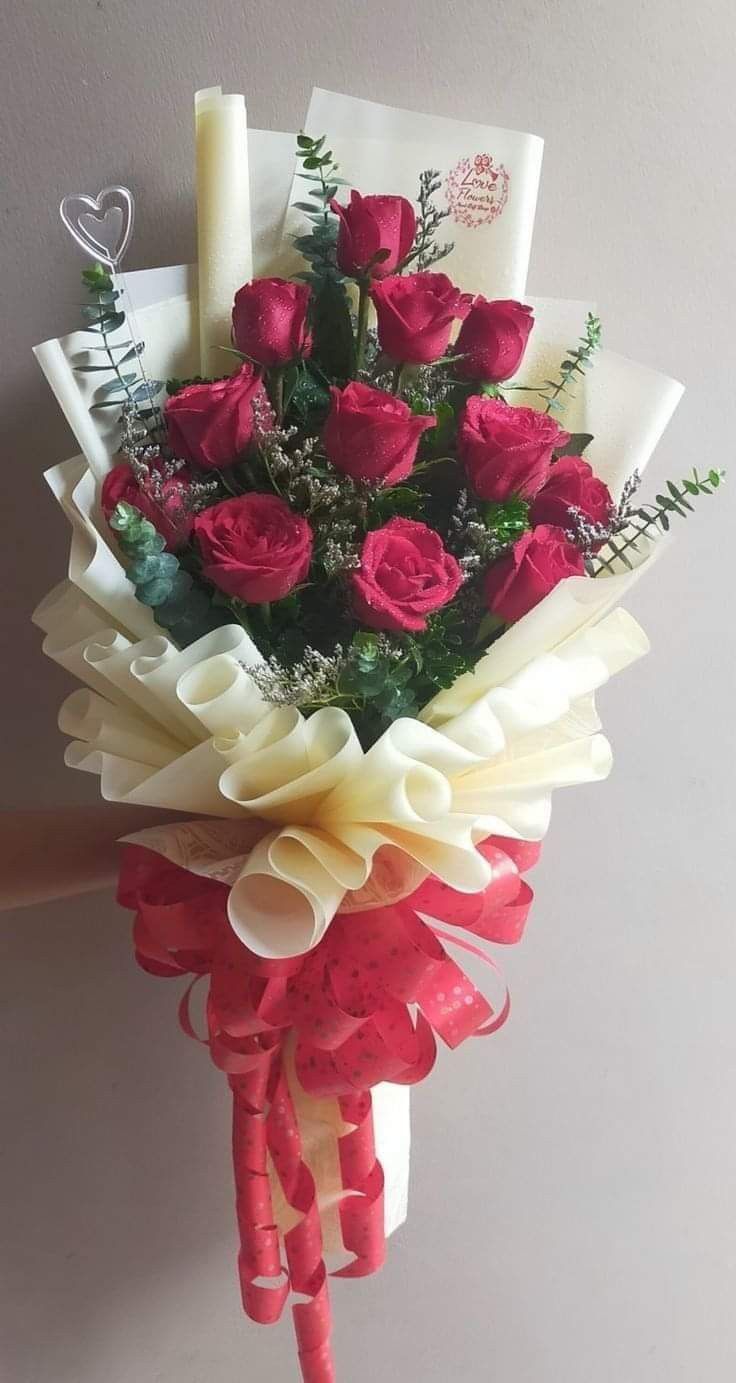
349, 1004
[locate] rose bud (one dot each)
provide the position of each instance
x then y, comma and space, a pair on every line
493, 339
210, 425
254, 547
533, 567
270, 321
506, 450
572, 484
370, 225
370, 435
405, 574
162, 502
415, 315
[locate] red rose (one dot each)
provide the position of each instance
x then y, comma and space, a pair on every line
506, 450
415, 315
254, 547
162, 502
270, 321
210, 425
370, 224
370, 435
526, 574
572, 483
493, 339
405, 573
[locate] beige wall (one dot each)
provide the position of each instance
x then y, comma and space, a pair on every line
574, 1187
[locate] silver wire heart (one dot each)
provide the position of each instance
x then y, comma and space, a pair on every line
101, 225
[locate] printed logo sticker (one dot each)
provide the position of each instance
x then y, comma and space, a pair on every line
477, 190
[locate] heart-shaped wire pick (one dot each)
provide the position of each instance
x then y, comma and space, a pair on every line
101, 225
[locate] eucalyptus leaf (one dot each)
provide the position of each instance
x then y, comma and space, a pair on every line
117, 385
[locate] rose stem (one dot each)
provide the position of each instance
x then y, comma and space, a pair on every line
360, 337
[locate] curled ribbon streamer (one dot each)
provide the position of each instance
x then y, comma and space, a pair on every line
364, 1006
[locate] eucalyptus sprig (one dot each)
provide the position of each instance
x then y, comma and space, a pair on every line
424, 252
651, 520
334, 348
104, 315
321, 170
159, 579
557, 393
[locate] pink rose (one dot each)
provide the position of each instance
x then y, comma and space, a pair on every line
162, 502
526, 574
571, 483
506, 450
270, 321
405, 574
370, 224
370, 435
210, 425
254, 547
493, 339
415, 315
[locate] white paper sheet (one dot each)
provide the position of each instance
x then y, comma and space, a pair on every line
490, 179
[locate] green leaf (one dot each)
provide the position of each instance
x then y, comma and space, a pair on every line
116, 386
154, 565
137, 349
488, 627
154, 592
576, 445
396, 499
304, 243
118, 346
334, 347
97, 279
147, 390
291, 380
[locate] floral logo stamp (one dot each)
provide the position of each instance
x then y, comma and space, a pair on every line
477, 190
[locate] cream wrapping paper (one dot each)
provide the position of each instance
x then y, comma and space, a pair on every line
168, 328
490, 179
93, 566
224, 250
332, 806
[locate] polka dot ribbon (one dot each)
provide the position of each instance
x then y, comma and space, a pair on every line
365, 1006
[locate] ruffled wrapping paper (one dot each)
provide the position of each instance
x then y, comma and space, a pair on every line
186, 729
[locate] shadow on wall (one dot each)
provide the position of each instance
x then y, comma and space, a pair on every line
111, 1121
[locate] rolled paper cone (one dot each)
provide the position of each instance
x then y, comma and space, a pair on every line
223, 220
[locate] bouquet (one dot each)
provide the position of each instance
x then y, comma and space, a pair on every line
343, 584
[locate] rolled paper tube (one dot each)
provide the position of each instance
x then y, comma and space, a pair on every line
223, 220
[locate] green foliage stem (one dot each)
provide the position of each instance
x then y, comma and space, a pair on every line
651, 520
104, 315
334, 347
557, 392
